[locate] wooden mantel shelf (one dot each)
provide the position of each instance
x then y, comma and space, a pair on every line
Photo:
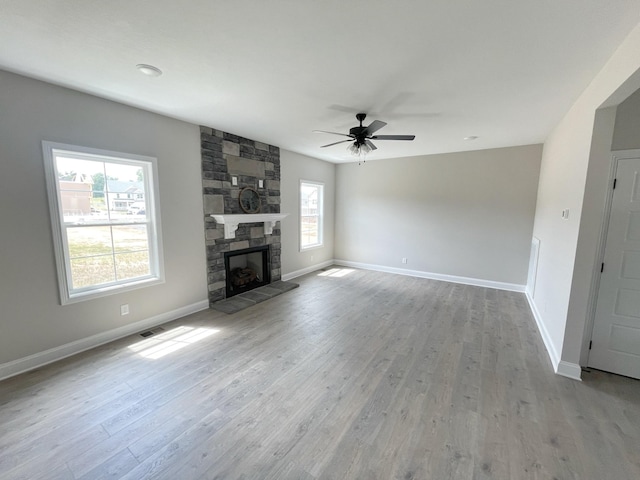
231, 222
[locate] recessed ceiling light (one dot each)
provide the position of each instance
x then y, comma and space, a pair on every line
149, 70
471, 137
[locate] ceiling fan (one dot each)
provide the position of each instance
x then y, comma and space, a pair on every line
361, 136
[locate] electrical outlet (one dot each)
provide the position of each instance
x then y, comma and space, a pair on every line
124, 309
260, 183
234, 181
404, 260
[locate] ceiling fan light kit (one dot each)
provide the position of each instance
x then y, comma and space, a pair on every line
359, 150
360, 137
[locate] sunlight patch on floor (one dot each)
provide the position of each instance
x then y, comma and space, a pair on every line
336, 272
160, 345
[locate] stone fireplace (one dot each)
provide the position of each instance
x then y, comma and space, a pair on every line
229, 164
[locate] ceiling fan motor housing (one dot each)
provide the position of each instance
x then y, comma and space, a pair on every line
359, 133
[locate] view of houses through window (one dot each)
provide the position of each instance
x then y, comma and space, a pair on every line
311, 214
107, 226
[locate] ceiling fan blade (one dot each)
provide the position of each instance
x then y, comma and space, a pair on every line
336, 143
393, 137
374, 127
371, 145
332, 133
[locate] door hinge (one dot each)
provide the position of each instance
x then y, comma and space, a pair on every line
590, 343
615, 180
602, 268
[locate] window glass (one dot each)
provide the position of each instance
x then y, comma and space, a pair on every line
104, 218
311, 214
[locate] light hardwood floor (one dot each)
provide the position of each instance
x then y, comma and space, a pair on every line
361, 376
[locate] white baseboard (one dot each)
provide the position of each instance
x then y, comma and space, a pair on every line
544, 333
512, 287
40, 359
569, 370
304, 271
560, 367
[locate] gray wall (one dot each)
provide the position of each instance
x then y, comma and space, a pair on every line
615, 128
596, 189
296, 167
31, 318
562, 288
466, 214
626, 135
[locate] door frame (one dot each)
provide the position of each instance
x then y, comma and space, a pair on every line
616, 156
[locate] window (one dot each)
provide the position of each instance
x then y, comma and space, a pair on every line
311, 213
102, 246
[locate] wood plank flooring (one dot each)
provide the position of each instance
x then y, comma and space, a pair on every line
354, 375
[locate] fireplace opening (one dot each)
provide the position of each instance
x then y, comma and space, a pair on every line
247, 269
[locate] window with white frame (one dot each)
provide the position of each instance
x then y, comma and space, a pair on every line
105, 219
311, 214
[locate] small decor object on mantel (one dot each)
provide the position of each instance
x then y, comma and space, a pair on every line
249, 200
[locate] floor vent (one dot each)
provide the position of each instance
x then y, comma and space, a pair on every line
153, 331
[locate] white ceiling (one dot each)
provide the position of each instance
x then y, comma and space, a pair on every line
503, 70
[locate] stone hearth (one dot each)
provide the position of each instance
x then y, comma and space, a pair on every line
251, 298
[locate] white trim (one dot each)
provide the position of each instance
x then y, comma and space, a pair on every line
231, 222
304, 271
569, 370
478, 282
544, 333
320, 186
41, 359
149, 165
560, 367
594, 288
533, 267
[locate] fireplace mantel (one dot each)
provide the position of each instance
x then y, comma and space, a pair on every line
231, 222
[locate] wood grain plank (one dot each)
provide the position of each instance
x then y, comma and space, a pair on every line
366, 375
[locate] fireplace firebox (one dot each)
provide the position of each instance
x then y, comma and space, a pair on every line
247, 269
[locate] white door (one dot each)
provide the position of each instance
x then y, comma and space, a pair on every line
616, 331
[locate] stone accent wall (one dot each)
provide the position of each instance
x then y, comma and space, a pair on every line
224, 156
